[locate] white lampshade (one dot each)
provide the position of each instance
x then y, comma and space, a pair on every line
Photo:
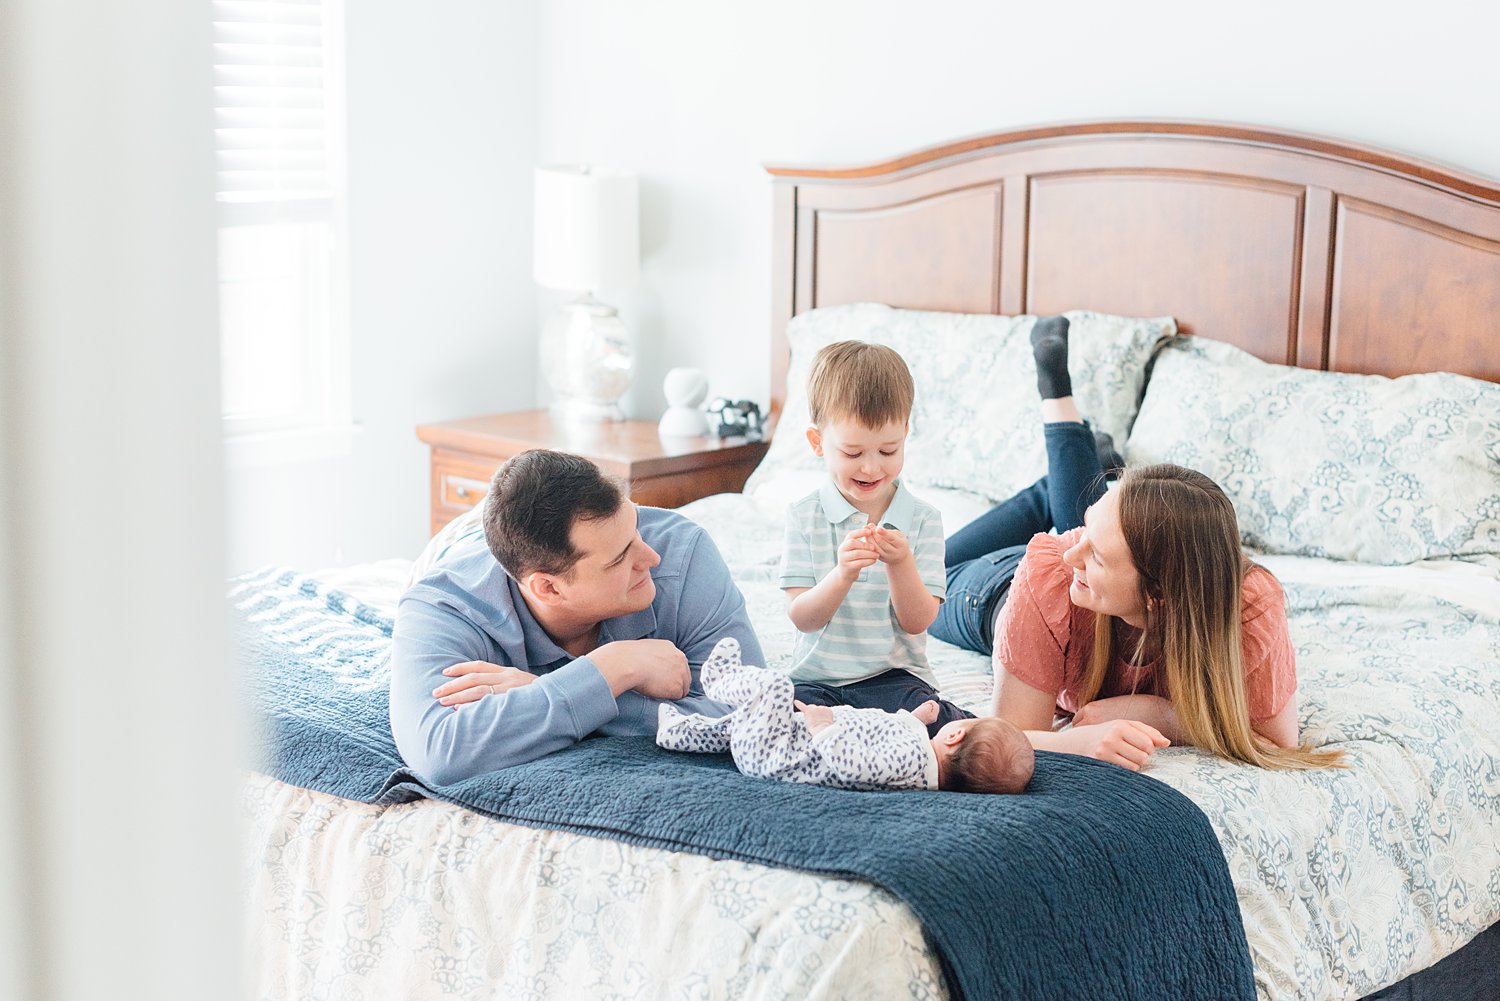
586, 230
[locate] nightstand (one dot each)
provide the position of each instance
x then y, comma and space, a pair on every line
660, 472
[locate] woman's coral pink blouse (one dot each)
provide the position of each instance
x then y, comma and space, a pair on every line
1044, 640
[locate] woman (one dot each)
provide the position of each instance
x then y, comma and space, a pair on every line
1142, 620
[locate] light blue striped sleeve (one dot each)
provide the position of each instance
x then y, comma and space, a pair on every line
930, 550
797, 568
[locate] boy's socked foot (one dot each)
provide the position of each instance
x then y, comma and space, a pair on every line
1049, 346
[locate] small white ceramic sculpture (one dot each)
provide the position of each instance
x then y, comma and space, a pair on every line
685, 390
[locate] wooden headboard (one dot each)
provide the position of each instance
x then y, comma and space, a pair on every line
1302, 250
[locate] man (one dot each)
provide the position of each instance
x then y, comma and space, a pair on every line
574, 613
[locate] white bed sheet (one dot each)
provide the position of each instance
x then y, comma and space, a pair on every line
1347, 880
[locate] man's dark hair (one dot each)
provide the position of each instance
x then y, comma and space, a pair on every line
533, 502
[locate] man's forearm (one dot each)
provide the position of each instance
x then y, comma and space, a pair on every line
448, 745
614, 663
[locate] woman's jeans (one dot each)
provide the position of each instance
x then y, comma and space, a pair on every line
983, 555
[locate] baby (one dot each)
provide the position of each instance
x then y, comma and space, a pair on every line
771, 735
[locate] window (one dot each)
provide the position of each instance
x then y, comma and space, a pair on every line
278, 140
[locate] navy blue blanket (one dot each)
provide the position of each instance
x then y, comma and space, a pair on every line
1095, 883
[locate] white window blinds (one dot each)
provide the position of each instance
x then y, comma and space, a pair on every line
278, 143
272, 120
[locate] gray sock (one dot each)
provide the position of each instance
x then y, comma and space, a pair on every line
1049, 345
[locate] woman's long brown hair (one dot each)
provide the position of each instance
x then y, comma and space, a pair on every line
1184, 540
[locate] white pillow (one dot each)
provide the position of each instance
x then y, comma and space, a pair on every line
1350, 467
977, 424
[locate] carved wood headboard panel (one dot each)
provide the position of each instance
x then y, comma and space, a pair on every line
1301, 250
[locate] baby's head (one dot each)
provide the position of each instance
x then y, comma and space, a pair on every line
860, 396
983, 755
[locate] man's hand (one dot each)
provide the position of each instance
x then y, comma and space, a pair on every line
890, 545
654, 668
857, 552
1124, 742
818, 717
474, 679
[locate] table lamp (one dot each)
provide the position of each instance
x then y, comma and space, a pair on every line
586, 237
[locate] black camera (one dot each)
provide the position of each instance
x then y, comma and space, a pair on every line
736, 418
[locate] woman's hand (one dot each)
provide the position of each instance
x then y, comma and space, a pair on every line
1125, 742
474, 679
1153, 710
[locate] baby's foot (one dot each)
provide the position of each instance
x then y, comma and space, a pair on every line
725, 656
927, 712
680, 731
1049, 345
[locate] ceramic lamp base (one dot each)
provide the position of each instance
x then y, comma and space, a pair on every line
587, 360
582, 411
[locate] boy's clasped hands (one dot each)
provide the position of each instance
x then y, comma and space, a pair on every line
864, 547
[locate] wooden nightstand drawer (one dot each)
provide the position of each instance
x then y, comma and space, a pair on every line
459, 483
657, 471
457, 490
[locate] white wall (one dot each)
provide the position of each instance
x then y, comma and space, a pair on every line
696, 96
442, 139
449, 111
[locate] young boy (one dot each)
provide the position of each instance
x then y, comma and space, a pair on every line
863, 559
773, 736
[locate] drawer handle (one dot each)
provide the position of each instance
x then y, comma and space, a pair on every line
462, 490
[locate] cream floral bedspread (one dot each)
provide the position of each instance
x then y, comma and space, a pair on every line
1348, 880
427, 900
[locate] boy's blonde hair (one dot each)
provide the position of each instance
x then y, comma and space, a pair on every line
855, 379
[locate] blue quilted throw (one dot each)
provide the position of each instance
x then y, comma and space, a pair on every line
1095, 883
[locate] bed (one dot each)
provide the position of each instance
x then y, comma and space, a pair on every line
1234, 291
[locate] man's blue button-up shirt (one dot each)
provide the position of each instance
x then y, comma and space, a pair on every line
468, 608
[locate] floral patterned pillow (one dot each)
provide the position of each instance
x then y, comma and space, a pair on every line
977, 423
1349, 467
